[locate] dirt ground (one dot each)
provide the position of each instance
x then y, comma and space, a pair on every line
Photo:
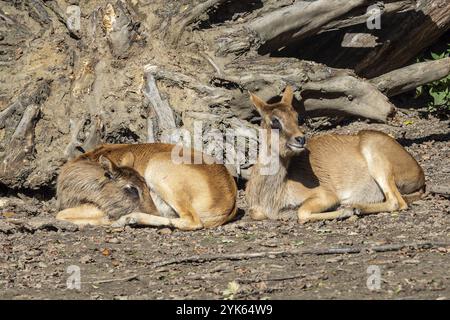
121, 264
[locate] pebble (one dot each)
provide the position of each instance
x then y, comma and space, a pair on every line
165, 231
86, 259
113, 241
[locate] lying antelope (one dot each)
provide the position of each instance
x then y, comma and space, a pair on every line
100, 192
185, 196
370, 172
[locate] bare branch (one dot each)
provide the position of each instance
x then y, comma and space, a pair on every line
411, 77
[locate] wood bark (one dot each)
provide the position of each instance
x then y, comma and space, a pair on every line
411, 77
320, 31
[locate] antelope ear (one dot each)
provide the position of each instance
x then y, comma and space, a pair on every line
288, 95
259, 104
107, 164
127, 160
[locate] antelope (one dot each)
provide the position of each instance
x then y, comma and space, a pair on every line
366, 173
99, 192
187, 196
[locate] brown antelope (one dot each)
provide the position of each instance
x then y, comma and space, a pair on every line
368, 172
100, 192
186, 196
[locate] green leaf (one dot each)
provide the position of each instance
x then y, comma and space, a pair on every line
419, 91
437, 56
439, 98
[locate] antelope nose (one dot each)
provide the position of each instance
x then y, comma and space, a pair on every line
300, 140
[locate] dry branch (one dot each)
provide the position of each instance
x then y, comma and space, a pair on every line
319, 251
125, 279
411, 77
165, 120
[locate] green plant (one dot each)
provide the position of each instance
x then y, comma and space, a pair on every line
437, 92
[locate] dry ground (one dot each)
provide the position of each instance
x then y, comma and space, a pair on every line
120, 264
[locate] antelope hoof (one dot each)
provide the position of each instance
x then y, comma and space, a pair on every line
304, 218
124, 221
257, 215
349, 212
118, 224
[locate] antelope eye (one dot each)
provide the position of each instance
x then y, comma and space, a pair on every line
132, 191
276, 124
109, 175
300, 120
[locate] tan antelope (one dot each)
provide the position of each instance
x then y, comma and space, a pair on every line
187, 196
368, 172
100, 192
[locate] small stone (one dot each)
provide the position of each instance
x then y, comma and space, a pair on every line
7, 227
113, 241
86, 259
165, 231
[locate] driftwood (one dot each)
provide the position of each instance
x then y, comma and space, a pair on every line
411, 77
162, 124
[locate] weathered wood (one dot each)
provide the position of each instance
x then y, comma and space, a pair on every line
412, 76
165, 120
120, 28
34, 93
299, 20
15, 167
190, 17
347, 94
315, 30
324, 90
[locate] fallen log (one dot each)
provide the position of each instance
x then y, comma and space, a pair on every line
319, 89
316, 30
412, 76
